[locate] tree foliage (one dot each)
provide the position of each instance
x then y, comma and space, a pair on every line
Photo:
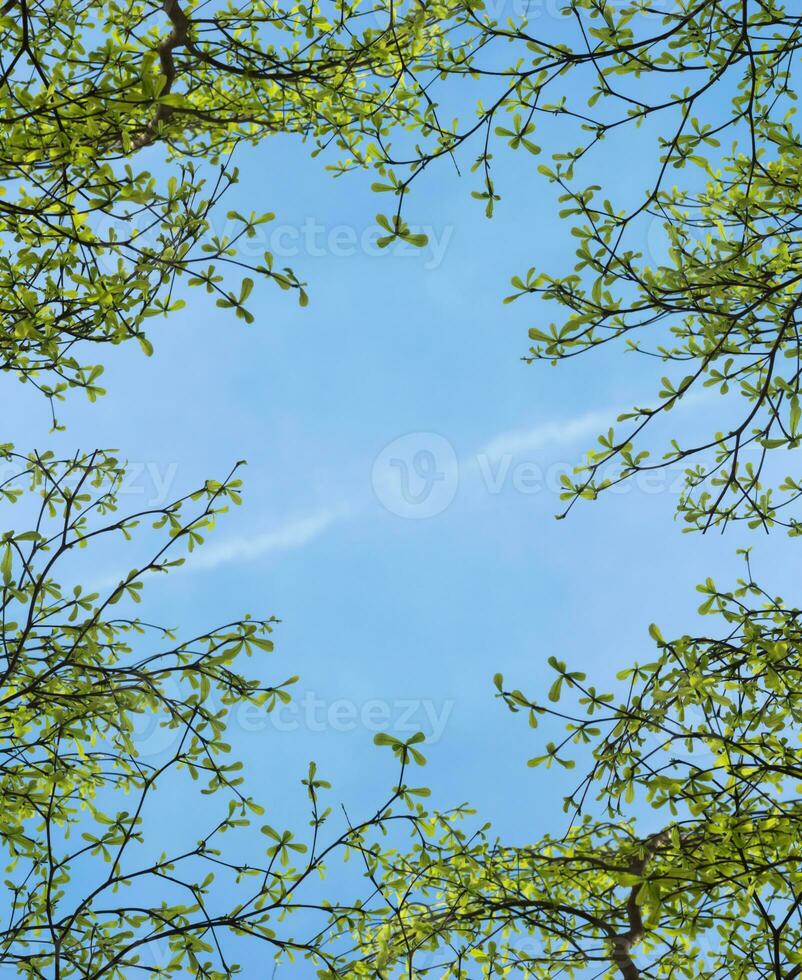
682, 854
94, 886
718, 296
120, 122
97, 233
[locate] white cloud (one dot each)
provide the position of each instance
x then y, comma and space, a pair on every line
289, 536
519, 441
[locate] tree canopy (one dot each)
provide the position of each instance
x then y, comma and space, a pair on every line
87, 892
97, 233
120, 126
97, 228
681, 857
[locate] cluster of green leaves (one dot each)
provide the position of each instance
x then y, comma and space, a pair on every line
705, 738
86, 894
718, 295
93, 243
707, 735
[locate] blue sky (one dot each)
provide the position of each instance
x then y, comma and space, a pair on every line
393, 621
